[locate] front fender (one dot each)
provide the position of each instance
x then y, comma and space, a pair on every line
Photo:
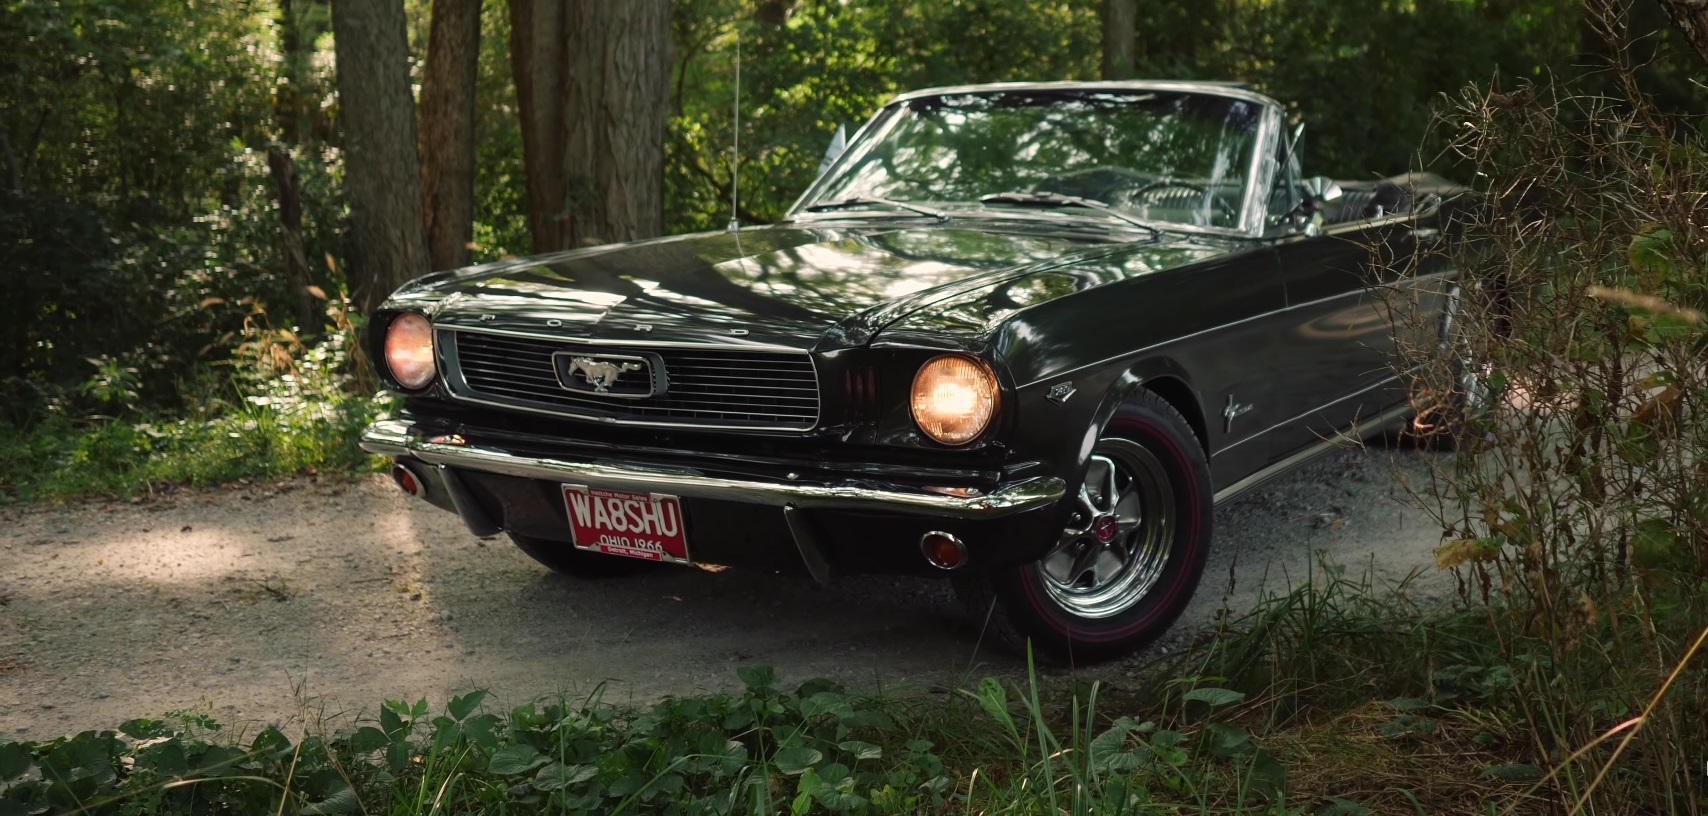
1061, 433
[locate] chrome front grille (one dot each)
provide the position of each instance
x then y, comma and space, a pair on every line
705, 387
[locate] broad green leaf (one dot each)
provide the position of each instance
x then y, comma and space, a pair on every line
1226, 741
862, 750
368, 738
558, 775
344, 800
1212, 696
994, 700
826, 702
1108, 750
1267, 774
757, 678
796, 759
390, 721
15, 760
165, 759
141, 729
808, 785
461, 707
515, 759
481, 729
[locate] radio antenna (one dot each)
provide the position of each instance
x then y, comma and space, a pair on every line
735, 155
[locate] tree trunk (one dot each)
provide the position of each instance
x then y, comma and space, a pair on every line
447, 131
536, 61
381, 166
1119, 19
14, 174
1691, 18
616, 87
290, 238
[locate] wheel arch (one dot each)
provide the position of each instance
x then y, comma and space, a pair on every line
1168, 379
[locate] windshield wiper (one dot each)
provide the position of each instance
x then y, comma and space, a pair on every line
1059, 200
860, 201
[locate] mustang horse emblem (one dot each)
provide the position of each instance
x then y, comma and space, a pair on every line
599, 375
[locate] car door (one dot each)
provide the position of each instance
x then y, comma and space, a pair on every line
1337, 356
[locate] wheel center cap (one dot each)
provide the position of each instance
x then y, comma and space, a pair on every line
1105, 529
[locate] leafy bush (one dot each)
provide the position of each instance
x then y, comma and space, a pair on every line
1576, 507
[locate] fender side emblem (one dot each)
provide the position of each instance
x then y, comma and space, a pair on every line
1060, 393
1231, 412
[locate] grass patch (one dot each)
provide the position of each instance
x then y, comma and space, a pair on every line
279, 406
57, 459
1236, 724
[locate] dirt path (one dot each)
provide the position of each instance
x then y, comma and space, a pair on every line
250, 603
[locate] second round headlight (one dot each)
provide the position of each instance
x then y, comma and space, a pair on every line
954, 398
409, 351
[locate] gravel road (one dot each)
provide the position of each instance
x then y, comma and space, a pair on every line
266, 603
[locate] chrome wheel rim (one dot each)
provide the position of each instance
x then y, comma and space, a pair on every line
1116, 543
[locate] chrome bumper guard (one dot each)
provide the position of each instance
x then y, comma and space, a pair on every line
394, 438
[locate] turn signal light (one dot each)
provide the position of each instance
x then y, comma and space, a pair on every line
943, 551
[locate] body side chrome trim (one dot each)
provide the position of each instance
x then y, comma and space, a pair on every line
395, 438
1289, 421
1339, 440
1201, 332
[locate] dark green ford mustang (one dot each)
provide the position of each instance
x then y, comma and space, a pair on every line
1024, 336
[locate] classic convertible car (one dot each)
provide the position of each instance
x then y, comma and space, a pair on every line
1024, 336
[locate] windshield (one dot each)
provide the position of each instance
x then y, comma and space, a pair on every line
1163, 156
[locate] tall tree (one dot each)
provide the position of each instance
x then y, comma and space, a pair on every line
616, 104
1119, 21
536, 62
382, 167
447, 130
592, 82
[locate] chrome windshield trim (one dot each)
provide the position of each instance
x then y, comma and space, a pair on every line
393, 437
1259, 170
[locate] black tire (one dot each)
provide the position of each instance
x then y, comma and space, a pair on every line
562, 557
1055, 602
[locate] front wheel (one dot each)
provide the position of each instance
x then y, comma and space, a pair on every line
1130, 555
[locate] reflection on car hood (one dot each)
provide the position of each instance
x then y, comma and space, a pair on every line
806, 287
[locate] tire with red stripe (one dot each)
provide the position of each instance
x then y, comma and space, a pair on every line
1130, 556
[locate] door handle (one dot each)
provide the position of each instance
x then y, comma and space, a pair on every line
1426, 236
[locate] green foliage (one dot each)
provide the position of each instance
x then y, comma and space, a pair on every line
814, 748
280, 407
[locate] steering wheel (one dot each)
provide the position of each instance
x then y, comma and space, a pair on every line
1131, 194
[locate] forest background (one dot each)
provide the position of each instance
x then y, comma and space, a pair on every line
187, 243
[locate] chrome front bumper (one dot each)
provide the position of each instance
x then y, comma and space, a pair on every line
396, 438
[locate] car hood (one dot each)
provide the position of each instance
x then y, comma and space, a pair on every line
806, 287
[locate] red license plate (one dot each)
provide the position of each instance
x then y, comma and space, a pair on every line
635, 525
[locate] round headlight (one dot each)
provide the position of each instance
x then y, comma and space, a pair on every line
409, 351
954, 399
